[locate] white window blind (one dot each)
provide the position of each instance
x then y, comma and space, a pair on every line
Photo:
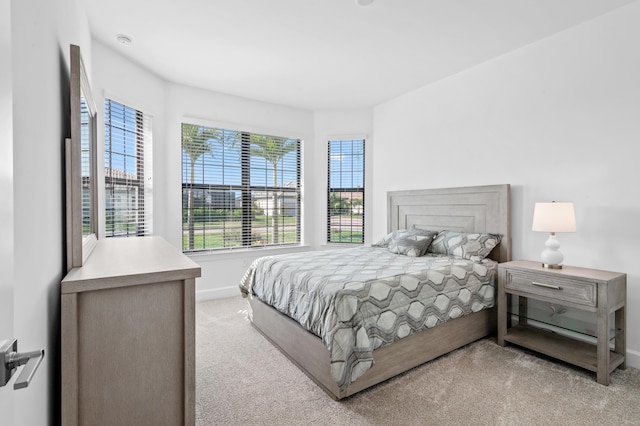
239, 189
128, 196
345, 195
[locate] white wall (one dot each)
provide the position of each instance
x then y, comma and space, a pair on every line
558, 120
41, 31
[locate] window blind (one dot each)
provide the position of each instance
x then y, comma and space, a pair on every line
345, 195
239, 189
128, 196
85, 168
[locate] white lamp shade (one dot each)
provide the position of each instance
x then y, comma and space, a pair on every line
554, 217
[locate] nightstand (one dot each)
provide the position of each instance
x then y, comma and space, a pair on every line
573, 314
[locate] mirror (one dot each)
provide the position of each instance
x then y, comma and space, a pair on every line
81, 168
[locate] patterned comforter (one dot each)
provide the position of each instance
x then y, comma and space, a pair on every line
357, 300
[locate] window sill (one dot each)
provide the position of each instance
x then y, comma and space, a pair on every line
333, 246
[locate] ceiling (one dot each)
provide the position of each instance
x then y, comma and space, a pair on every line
326, 54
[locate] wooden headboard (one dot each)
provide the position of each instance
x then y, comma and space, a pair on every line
465, 209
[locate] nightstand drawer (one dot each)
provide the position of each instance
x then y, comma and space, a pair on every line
559, 288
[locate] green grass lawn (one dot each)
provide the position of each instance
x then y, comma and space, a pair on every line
213, 234
233, 238
346, 237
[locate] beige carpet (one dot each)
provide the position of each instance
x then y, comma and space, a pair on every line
241, 379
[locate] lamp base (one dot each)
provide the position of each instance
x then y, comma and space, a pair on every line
551, 256
551, 266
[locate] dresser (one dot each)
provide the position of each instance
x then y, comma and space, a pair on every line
128, 335
573, 314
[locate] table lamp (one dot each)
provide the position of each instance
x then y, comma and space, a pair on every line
553, 217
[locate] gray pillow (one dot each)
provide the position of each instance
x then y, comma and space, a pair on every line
472, 246
384, 242
410, 242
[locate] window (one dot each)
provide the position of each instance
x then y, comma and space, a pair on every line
127, 171
85, 167
345, 197
239, 189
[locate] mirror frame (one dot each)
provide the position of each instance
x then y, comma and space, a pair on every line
79, 246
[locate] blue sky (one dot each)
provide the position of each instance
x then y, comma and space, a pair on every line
346, 163
120, 137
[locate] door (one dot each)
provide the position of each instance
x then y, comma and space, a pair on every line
6, 200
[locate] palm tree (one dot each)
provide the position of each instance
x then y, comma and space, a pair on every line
196, 141
273, 149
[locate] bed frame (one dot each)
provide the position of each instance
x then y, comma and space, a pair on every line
468, 209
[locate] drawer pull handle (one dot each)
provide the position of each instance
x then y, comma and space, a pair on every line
555, 287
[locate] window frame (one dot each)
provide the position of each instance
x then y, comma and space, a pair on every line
245, 188
346, 189
142, 134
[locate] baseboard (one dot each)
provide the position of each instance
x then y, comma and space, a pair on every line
633, 359
217, 293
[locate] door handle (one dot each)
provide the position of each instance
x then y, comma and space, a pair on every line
12, 359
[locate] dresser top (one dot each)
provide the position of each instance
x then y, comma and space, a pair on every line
119, 262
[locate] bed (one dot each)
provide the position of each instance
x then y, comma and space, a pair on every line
376, 357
